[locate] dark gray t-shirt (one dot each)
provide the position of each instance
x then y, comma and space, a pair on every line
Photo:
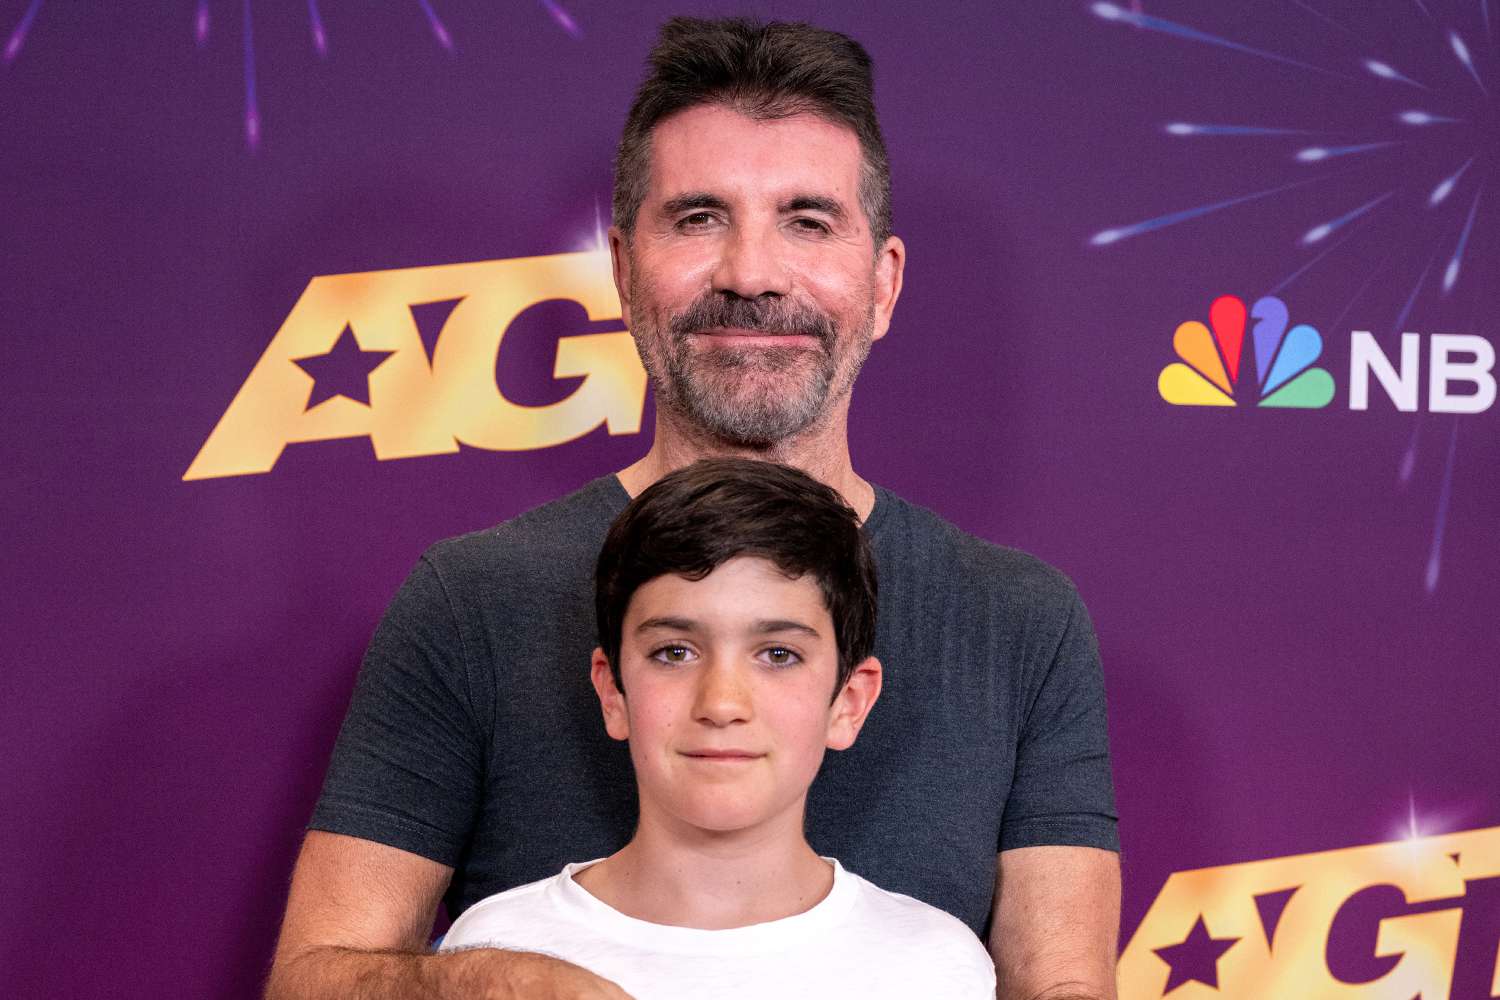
475, 739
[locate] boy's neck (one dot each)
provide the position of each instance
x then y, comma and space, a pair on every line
672, 873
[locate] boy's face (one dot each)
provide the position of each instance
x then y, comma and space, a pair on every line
729, 680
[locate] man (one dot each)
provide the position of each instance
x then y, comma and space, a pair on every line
755, 266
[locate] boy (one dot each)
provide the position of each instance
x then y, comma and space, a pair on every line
736, 614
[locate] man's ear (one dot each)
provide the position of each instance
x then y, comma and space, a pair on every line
890, 270
611, 699
853, 703
619, 262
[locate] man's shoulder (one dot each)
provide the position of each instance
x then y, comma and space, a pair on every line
559, 532
910, 537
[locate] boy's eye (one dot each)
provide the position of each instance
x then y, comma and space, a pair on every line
673, 654
780, 656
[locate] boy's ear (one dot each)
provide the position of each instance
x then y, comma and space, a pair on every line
853, 703
611, 700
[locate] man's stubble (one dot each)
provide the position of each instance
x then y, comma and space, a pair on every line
749, 397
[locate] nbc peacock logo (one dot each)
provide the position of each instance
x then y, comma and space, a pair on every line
1210, 372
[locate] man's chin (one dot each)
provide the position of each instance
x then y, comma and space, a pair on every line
756, 429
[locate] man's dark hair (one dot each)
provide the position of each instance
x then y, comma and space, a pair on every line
764, 71
695, 519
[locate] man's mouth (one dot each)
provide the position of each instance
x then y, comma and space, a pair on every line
749, 337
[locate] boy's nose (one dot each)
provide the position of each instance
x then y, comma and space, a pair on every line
723, 697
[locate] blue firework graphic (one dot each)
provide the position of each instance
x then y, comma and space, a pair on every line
1435, 148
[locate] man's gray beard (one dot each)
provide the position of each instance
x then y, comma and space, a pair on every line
706, 388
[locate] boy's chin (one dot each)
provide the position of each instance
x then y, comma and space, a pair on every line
725, 813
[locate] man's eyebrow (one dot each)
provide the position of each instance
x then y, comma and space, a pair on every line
668, 622
693, 200
831, 207
770, 625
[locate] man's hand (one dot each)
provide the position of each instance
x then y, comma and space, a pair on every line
1056, 923
356, 928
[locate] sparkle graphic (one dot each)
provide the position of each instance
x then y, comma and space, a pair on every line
344, 370
1287, 281
439, 30
1195, 958
252, 107
1315, 154
1187, 128
1321, 231
563, 18
1462, 51
1388, 72
1114, 12
1421, 118
203, 22
18, 36
594, 239
1440, 521
1445, 186
1409, 457
1450, 275
315, 24
1322, 17
1107, 236
1417, 174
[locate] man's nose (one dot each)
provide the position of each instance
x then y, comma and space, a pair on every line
723, 695
752, 263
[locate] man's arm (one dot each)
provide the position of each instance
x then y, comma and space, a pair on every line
356, 928
1055, 927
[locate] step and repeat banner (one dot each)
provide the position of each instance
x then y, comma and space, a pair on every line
1201, 308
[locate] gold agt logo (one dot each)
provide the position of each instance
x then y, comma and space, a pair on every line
1382, 922
413, 405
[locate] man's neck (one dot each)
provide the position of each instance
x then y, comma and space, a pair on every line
822, 452
678, 875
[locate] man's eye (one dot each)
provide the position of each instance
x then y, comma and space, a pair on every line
697, 219
810, 225
780, 656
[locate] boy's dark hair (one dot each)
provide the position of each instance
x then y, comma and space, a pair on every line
695, 519
764, 71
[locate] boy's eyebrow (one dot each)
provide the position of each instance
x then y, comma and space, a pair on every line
784, 625
763, 626
667, 622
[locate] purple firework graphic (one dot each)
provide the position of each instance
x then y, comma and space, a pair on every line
1446, 110
203, 22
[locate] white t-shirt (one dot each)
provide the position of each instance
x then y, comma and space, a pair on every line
860, 941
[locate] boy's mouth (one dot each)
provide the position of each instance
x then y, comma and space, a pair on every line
722, 755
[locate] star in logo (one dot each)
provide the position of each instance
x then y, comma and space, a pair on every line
1196, 957
343, 371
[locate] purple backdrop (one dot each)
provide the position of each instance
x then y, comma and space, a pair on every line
1297, 606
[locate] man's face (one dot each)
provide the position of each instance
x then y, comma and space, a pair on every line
728, 681
751, 283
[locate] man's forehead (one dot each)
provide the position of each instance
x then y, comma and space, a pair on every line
715, 148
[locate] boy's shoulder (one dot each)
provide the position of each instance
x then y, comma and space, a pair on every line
493, 917
890, 923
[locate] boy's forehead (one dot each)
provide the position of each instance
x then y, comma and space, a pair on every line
739, 590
